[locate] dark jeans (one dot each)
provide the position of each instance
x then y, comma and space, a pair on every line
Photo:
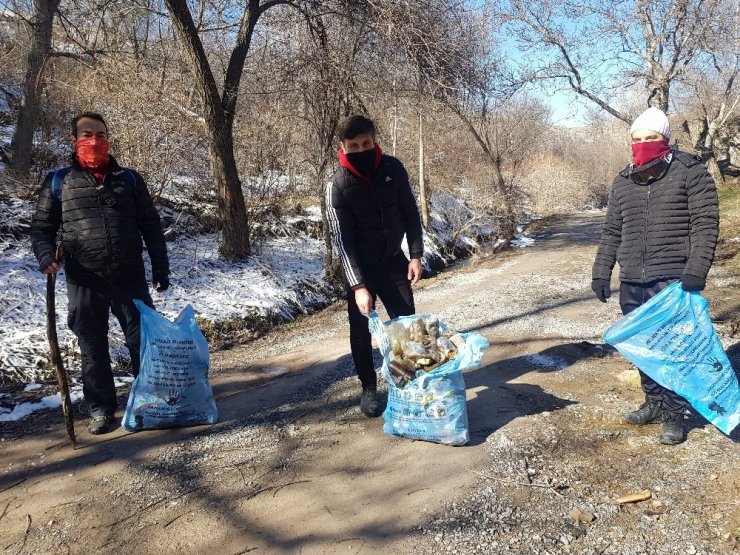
390, 283
89, 308
632, 295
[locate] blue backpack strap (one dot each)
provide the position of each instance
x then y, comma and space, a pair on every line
57, 180
128, 175
131, 176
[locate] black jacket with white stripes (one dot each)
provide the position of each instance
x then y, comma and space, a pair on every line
368, 220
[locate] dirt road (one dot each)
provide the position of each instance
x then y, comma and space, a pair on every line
294, 467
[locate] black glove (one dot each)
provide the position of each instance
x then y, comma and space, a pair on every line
693, 283
601, 288
163, 281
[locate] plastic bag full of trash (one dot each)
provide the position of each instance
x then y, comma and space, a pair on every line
172, 388
426, 389
671, 339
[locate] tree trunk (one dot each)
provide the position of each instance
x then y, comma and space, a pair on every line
507, 222
231, 207
21, 145
422, 178
711, 148
702, 134
331, 263
658, 96
714, 170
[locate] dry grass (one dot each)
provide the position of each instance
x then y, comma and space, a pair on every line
729, 229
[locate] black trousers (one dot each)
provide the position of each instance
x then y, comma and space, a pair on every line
390, 283
632, 295
89, 308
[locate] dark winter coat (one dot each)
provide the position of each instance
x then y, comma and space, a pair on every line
368, 220
102, 229
661, 230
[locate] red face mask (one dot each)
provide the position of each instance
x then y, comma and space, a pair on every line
92, 152
644, 153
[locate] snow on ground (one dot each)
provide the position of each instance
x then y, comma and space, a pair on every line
283, 278
48, 402
522, 241
548, 362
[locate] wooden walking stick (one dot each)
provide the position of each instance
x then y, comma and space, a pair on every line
56, 353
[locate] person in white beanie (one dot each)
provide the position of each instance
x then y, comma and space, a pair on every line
661, 226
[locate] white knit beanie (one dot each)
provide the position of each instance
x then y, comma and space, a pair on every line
652, 119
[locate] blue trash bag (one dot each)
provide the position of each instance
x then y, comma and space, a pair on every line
671, 339
172, 388
431, 407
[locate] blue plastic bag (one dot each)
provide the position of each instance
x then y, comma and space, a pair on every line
172, 388
431, 407
671, 338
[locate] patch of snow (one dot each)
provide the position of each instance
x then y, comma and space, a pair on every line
284, 277
273, 372
522, 241
121, 381
32, 386
545, 361
49, 402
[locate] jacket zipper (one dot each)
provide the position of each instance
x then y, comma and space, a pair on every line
644, 235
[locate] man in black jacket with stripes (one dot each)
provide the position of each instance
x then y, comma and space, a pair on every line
661, 226
104, 211
370, 207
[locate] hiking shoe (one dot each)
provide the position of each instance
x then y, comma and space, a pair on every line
673, 431
369, 403
650, 411
101, 424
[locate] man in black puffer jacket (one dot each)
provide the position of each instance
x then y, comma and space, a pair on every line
370, 207
661, 226
103, 210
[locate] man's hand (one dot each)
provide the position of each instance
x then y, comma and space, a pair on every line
601, 288
692, 283
364, 300
52, 268
162, 283
414, 271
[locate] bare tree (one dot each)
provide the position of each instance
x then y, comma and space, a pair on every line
451, 45
713, 95
41, 23
331, 58
600, 49
219, 111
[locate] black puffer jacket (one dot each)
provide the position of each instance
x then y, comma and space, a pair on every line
368, 221
101, 240
664, 229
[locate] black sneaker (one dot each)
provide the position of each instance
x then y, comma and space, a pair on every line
101, 424
369, 403
673, 431
650, 411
